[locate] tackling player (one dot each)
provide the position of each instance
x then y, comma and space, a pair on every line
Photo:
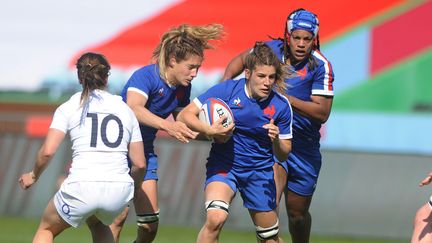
158, 90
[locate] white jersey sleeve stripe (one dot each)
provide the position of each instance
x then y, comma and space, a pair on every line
285, 136
138, 91
328, 78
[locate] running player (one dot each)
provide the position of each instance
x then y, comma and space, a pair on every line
310, 92
158, 90
244, 162
102, 130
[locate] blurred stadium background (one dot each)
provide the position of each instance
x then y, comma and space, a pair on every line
376, 144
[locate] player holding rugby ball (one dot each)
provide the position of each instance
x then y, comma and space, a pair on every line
244, 162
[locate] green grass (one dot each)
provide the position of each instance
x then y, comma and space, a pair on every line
31, 97
21, 230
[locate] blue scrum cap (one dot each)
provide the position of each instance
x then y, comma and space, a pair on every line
303, 20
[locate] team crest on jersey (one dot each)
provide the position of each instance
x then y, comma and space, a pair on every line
270, 111
237, 101
302, 73
160, 91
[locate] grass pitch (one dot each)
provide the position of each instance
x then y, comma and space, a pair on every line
21, 230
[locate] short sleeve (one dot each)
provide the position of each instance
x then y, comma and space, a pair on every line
323, 78
140, 83
136, 132
61, 119
285, 122
220, 90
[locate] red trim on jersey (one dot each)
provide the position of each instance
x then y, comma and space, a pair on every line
330, 72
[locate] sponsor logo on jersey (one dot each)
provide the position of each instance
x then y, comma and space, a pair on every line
160, 91
237, 101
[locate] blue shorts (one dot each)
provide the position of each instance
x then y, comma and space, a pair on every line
257, 187
152, 166
303, 170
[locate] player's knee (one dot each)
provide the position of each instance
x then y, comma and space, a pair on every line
298, 215
267, 233
148, 222
296, 219
217, 214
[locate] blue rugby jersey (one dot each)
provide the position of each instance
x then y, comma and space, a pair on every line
318, 81
162, 99
250, 146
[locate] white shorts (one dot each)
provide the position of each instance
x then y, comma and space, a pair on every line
76, 201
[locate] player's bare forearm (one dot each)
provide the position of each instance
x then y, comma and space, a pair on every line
136, 155
189, 117
46, 152
318, 108
281, 148
147, 118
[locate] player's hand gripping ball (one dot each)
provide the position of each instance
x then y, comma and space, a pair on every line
214, 108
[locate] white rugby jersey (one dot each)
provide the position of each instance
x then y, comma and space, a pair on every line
100, 131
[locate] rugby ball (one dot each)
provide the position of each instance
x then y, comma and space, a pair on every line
214, 108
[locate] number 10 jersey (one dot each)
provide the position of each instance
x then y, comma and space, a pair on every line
100, 130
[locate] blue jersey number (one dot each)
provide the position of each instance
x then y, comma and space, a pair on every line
103, 129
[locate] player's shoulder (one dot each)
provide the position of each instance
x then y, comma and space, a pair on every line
320, 57
228, 84
274, 42
115, 101
146, 68
146, 72
143, 78
232, 82
73, 101
281, 98
117, 105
